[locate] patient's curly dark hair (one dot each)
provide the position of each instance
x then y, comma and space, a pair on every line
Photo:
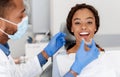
78, 7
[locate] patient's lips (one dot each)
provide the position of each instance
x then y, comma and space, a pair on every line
84, 33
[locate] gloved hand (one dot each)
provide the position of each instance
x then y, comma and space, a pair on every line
56, 43
84, 57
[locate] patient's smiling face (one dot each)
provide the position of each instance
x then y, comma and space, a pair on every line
83, 25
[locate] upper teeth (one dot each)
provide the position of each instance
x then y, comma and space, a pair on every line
83, 33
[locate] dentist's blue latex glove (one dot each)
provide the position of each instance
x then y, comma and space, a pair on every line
83, 57
56, 43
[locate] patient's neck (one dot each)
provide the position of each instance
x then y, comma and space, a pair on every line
75, 48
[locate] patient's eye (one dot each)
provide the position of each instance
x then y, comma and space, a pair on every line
89, 22
77, 23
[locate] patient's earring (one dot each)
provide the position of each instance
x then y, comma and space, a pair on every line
95, 29
71, 30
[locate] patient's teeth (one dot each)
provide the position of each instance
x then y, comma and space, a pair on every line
84, 33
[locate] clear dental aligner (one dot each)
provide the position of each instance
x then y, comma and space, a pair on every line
86, 42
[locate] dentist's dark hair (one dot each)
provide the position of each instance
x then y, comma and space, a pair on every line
78, 7
5, 6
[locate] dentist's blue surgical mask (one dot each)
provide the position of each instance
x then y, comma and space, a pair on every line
21, 28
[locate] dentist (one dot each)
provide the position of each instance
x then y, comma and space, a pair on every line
13, 25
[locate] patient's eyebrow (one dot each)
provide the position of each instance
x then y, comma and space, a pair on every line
77, 19
86, 18
89, 18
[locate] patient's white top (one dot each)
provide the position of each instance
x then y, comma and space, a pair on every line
106, 65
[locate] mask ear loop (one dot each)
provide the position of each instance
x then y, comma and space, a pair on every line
8, 21
3, 32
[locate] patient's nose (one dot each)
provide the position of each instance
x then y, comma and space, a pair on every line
83, 27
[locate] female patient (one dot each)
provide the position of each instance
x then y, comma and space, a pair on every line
83, 23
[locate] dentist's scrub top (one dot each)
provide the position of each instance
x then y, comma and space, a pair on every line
106, 65
8, 68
